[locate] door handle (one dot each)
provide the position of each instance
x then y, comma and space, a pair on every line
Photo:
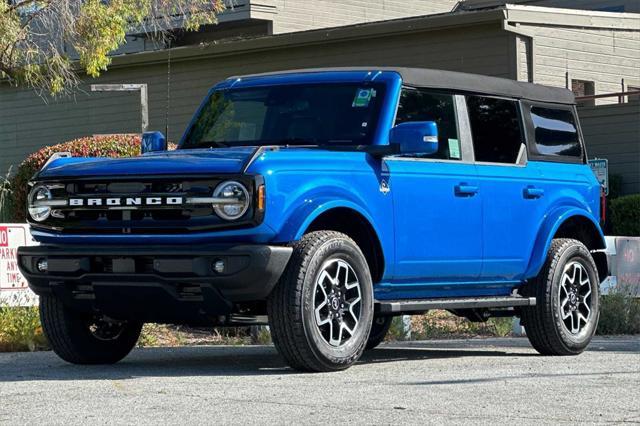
465, 190
531, 192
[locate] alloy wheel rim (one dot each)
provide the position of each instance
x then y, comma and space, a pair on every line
337, 302
574, 297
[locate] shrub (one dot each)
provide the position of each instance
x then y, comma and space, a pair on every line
619, 314
6, 201
625, 215
20, 329
615, 186
438, 324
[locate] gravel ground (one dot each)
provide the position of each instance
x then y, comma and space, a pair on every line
455, 381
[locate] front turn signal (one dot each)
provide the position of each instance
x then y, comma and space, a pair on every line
261, 200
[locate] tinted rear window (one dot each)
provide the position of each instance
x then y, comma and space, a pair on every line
495, 128
556, 132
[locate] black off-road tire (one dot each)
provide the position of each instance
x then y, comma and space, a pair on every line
543, 323
71, 338
379, 330
291, 307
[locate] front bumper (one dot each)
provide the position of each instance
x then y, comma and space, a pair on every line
157, 283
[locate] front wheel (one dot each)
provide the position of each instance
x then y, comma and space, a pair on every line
83, 338
567, 300
320, 311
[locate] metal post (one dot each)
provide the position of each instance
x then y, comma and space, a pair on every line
144, 100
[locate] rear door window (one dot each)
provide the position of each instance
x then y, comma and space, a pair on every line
555, 132
495, 128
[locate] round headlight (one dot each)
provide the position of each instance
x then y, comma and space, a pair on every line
238, 200
38, 194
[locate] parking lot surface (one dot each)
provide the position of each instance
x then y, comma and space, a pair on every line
452, 381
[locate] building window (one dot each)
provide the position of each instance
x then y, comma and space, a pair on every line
584, 88
495, 128
556, 133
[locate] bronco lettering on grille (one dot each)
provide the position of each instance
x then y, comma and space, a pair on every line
125, 201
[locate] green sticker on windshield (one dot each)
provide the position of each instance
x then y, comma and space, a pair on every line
454, 149
363, 97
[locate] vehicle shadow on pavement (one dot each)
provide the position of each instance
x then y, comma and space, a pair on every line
199, 361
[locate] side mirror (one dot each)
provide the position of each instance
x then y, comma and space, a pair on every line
416, 137
153, 141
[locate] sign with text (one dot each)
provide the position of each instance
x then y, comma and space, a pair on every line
600, 167
627, 265
13, 286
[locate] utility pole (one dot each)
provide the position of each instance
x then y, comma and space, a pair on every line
144, 101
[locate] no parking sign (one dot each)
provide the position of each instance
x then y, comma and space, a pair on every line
13, 286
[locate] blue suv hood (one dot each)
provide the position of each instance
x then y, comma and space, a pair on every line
221, 160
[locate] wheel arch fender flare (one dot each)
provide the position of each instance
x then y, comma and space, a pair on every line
550, 226
320, 207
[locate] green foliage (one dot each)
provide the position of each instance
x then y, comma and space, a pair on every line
92, 146
437, 324
615, 186
177, 335
625, 215
20, 329
6, 200
619, 314
35, 35
396, 330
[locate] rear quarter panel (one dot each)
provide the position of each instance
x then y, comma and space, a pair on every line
570, 190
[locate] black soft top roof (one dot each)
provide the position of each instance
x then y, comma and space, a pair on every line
458, 81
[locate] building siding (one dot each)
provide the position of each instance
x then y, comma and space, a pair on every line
613, 132
296, 15
27, 123
604, 56
605, 5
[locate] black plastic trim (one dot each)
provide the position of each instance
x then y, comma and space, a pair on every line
254, 269
253, 218
406, 306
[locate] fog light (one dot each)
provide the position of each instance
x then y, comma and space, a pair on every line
218, 266
42, 265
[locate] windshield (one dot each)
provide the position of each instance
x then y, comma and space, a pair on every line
320, 114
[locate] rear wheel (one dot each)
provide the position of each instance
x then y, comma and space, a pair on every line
379, 330
567, 300
320, 312
83, 338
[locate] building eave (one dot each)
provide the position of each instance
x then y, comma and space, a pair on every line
571, 17
307, 38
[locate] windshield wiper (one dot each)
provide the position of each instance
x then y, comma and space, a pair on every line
293, 141
264, 142
208, 144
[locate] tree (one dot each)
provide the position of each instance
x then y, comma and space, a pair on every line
44, 44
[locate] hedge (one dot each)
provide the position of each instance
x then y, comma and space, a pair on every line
92, 146
625, 215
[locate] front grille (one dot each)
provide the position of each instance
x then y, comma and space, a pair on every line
143, 219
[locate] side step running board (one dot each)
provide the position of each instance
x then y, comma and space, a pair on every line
421, 305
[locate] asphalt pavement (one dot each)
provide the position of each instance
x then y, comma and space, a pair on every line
480, 381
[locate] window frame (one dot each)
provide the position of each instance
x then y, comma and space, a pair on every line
522, 124
532, 146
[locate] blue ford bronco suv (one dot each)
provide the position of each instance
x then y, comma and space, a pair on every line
324, 202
